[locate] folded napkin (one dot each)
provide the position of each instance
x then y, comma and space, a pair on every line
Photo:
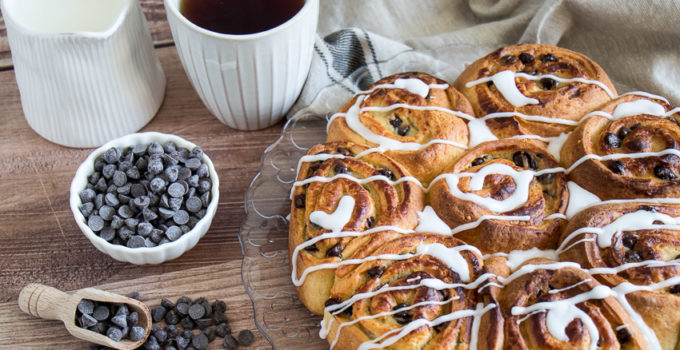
636, 41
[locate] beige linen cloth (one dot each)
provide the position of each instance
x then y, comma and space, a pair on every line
637, 42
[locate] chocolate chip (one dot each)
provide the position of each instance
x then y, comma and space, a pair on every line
114, 334
617, 167
299, 201
95, 223
647, 208
335, 251
526, 57
546, 178
222, 330
632, 256
548, 83
340, 169
403, 130
548, 57
675, 289
120, 321
635, 126
87, 321
530, 161
664, 173
245, 337
375, 271
136, 241
332, 301
518, 159
187, 323
370, 221
158, 313
489, 83
210, 333
478, 161
629, 241
623, 335
312, 248
203, 323
101, 313
136, 333
196, 311
396, 122
200, 341
509, 59
86, 306
133, 318
612, 140
623, 132
402, 317
229, 342
386, 173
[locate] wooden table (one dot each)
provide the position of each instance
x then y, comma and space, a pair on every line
39, 239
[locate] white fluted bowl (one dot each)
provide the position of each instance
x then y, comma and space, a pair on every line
153, 255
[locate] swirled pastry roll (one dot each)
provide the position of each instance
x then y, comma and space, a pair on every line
633, 245
335, 199
411, 117
627, 149
555, 84
503, 195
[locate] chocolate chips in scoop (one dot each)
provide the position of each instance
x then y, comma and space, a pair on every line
145, 188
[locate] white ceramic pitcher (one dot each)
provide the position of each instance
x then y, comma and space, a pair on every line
86, 69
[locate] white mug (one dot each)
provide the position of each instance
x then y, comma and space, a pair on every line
247, 81
86, 69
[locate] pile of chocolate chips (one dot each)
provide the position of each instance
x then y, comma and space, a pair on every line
146, 195
189, 325
116, 321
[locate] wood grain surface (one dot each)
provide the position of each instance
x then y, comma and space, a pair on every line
40, 242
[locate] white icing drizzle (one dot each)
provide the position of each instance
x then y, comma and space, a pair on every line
637, 107
338, 219
622, 326
562, 312
646, 94
355, 179
555, 145
507, 86
428, 221
421, 147
555, 291
412, 85
579, 199
381, 341
505, 82
517, 198
450, 256
518, 257
622, 156
479, 132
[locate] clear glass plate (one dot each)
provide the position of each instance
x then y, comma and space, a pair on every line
265, 271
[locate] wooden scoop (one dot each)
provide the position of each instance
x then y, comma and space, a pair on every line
52, 304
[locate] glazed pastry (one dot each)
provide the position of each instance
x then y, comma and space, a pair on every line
420, 294
637, 243
338, 196
557, 85
502, 196
549, 305
627, 149
411, 117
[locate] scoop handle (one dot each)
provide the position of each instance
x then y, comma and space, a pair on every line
43, 301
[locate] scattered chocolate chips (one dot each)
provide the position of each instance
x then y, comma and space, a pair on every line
230, 342
402, 317
664, 173
370, 222
612, 140
403, 130
246, 337
623, 335
332, 301
548, 83
387, 173
623, 132
526, 57
396, 122
629, 241
123, 205
478, 161
340, 169
335, 251
375, 271
524, 159
299, 201
100, 317
617, 167
548, 57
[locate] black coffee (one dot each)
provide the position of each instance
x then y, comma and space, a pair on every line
239, 16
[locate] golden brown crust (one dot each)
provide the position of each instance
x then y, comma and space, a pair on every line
423, 125
377, 203
547, 195
370, 276
548, 285
627, 177
659, 308
564, 100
